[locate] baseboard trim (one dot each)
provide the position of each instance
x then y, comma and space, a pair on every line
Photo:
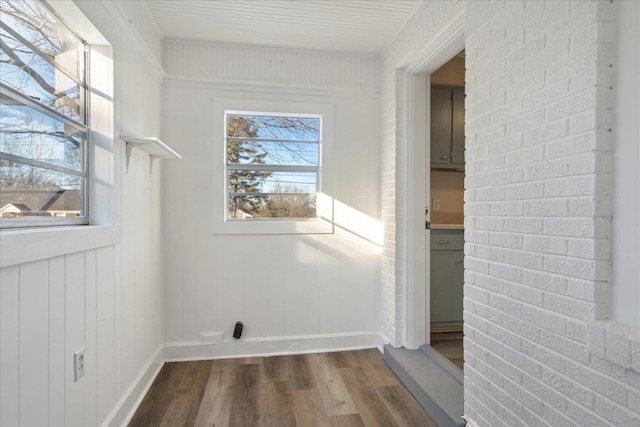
128, 404
270, 346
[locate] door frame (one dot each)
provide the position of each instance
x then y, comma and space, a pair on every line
441, 47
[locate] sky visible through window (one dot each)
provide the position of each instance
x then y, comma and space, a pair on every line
272, 161
42, 132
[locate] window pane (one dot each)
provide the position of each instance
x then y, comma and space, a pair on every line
33, 21
272, 206
36, 78
28, 133
273, 153
273, 127
241, 181
31, 191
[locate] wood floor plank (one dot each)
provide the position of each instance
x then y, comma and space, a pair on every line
404, 408
275, 369
326, 389
309, 409
215, 408
277, 405
375, 368
298, 372
450, 345
154, 405
246, 404
330, 385
370, 406
344, 359
350, 420
184, 407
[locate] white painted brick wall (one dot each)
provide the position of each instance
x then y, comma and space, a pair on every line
538, 213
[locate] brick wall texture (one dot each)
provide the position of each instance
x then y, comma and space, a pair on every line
537, 212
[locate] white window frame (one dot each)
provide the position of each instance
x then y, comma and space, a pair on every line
323, 222
21, 245
80, 126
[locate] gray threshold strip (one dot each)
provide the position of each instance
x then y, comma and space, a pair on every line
435, 382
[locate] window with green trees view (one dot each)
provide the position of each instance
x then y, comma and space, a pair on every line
43, 132
272, 165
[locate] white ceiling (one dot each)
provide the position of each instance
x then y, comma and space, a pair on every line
351, 26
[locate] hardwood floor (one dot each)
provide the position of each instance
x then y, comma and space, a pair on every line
349, 388
449, 344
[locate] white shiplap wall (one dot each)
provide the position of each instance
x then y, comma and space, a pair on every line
107, 299
299, 292
210, 62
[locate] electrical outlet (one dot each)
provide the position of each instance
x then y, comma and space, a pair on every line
78, 364
436, 204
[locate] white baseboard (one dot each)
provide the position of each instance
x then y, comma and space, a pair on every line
270, 346
128, 404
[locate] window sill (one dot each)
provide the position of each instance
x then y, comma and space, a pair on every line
320, 226
27, 245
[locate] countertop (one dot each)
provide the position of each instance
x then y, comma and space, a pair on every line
447, 220
447, 226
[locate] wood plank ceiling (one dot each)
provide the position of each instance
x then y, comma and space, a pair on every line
347, 26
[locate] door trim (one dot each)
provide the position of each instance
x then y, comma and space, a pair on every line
442, 47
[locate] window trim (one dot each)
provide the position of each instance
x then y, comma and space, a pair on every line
81, 126
323, 223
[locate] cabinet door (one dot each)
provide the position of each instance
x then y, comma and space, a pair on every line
447, 279
440, 125
457, 128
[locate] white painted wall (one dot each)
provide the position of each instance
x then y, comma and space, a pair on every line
538, 350
103, 288
293, 292
626, 202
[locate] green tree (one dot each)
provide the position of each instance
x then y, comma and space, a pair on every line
243, 181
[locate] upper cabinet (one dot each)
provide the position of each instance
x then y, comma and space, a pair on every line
447, 127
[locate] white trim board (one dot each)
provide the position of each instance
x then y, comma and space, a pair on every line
419, 65
132, 398
272, 346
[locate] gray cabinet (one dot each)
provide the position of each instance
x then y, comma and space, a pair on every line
447, 277
447, 127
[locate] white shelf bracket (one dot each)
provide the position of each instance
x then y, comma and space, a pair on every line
150, 145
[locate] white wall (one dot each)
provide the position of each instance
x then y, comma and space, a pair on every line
626, 127
538, 350
293, 292
108, 298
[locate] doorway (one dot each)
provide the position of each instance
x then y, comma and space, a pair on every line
446, 207
417, 161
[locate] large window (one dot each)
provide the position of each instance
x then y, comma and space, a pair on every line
43, 132
272, 165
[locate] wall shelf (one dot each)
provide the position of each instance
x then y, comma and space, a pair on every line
150, 145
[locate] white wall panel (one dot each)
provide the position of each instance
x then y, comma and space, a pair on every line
57, 351
210, 62
10, 346
280, 286
74, 336
102, 299
34, 345
105, 333
91, 354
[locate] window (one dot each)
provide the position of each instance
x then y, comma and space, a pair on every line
273, 163
43, 132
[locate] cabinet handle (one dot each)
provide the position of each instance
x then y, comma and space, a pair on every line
443, 157
443, 242
459, 260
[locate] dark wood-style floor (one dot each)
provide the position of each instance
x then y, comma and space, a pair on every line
348, 388
449, 344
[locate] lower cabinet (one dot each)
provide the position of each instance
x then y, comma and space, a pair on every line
447, 278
